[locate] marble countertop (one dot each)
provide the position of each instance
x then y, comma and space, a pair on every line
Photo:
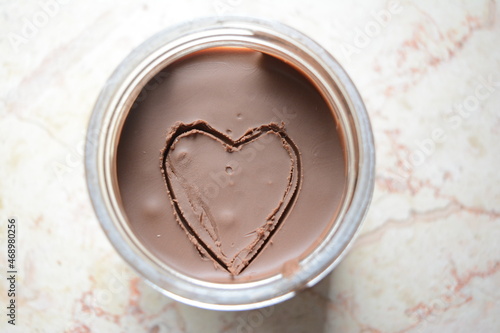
428, 256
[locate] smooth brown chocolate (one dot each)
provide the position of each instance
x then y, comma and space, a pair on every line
252, 168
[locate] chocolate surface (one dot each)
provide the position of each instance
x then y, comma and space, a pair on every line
216, 183
252, 168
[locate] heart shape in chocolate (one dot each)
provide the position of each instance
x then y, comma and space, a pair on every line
230, 196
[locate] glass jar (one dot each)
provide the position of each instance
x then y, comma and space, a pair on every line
275, 39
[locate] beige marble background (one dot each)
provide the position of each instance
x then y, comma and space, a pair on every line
428, 257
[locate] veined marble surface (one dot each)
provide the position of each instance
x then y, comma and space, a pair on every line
428, 256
